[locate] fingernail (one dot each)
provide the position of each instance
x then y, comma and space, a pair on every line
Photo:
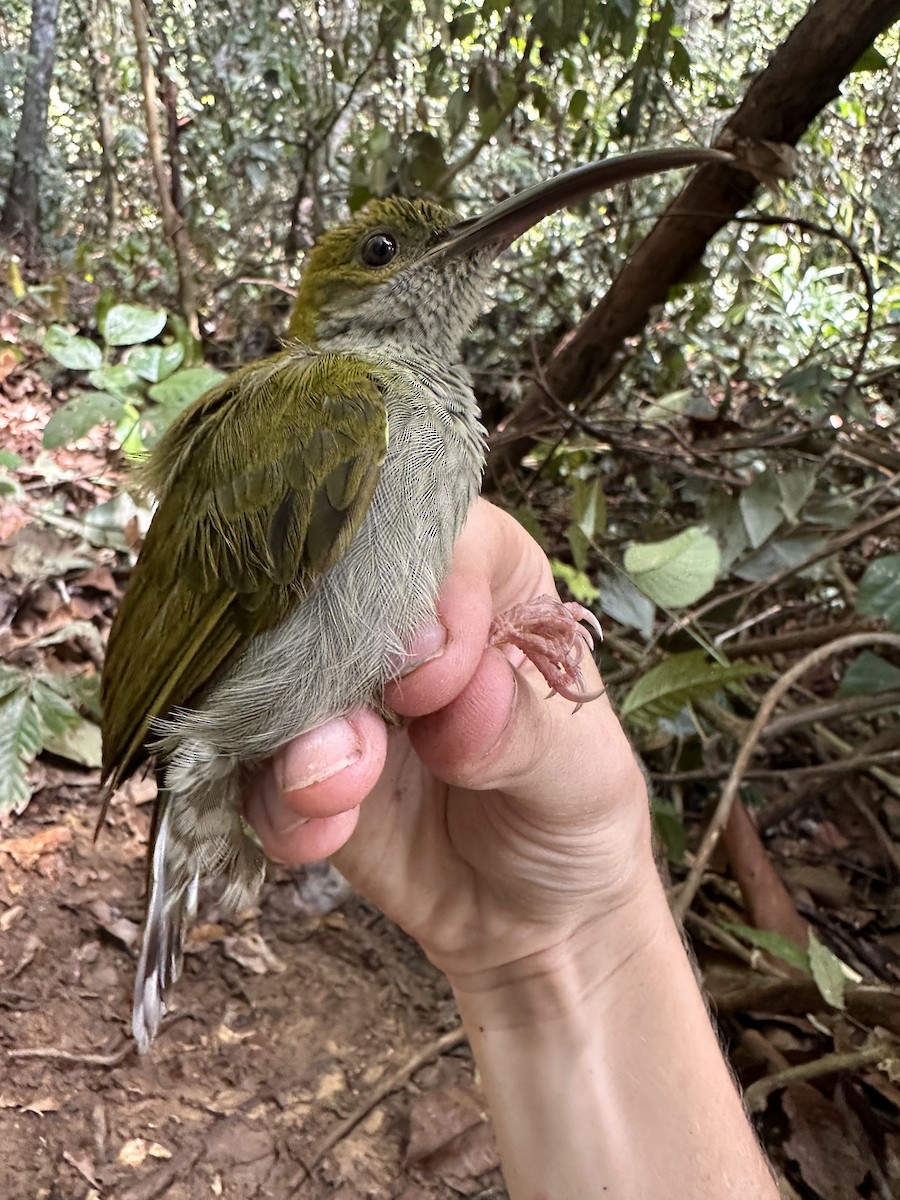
428, 643
320, 754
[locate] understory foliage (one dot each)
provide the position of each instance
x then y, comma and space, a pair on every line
729, 499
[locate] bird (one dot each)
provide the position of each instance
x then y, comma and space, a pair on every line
306, 513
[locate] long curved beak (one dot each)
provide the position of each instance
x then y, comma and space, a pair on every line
499, 227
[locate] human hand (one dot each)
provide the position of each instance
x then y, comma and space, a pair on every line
497, 826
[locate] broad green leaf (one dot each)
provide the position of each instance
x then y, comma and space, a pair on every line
82, 413
20, 740
879, 590
76, 353
796, 487
775, 943
127, 325
680, 680
774, 556
868, 674
9, 459
625, 603
761, 508
164, 360
55, 711
120, 379
828, 972
79, 742
677, 571
185, 386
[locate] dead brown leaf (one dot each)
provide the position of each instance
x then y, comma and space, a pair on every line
451, 1137
251, 952
821, 1144
26, 851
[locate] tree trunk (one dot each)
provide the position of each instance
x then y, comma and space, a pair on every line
21, 207
802, 77
98, 68
173, 224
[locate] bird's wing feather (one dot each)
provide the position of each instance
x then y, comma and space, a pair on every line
242, 531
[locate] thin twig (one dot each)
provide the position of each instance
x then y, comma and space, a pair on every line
842, 766
757, 1094
448, 1041
844, 706
888, 845
112, 1059
688, 889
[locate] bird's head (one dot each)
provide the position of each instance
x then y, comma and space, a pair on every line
374, 282
408, 276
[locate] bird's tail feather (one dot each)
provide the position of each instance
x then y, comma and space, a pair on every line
193, 842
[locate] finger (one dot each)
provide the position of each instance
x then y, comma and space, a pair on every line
495, 564
295, 801
501, 733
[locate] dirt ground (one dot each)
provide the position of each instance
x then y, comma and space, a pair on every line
311, 1049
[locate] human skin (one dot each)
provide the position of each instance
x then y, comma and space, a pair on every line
511, 837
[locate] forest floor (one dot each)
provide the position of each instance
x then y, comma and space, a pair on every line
311, 1050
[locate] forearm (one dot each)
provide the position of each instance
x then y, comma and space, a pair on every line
610, 1082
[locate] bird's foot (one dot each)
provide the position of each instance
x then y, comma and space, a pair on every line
551, 635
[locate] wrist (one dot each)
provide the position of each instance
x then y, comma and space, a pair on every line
565, 975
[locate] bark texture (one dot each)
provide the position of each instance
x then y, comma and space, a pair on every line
21, 208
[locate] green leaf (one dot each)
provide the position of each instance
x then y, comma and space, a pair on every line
868, 674
680, 680
879, 590
796, 487
680, 64
625, 603
120, 379
783, 552
55, 711
9, 459
828, 972
761, 508
126, 324
10, 489
870, 60
775, 943
669, 826
589, 506
576, 581
19, 739
79, 742
185, 386
76, 353
578, 105
677, 571
81, 414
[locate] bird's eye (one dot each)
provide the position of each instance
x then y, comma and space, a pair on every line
378, 250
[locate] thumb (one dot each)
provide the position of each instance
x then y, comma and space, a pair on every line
501, 733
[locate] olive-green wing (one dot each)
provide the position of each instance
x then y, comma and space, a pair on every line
262, 485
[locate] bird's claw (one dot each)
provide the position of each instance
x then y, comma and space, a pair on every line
551, 636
